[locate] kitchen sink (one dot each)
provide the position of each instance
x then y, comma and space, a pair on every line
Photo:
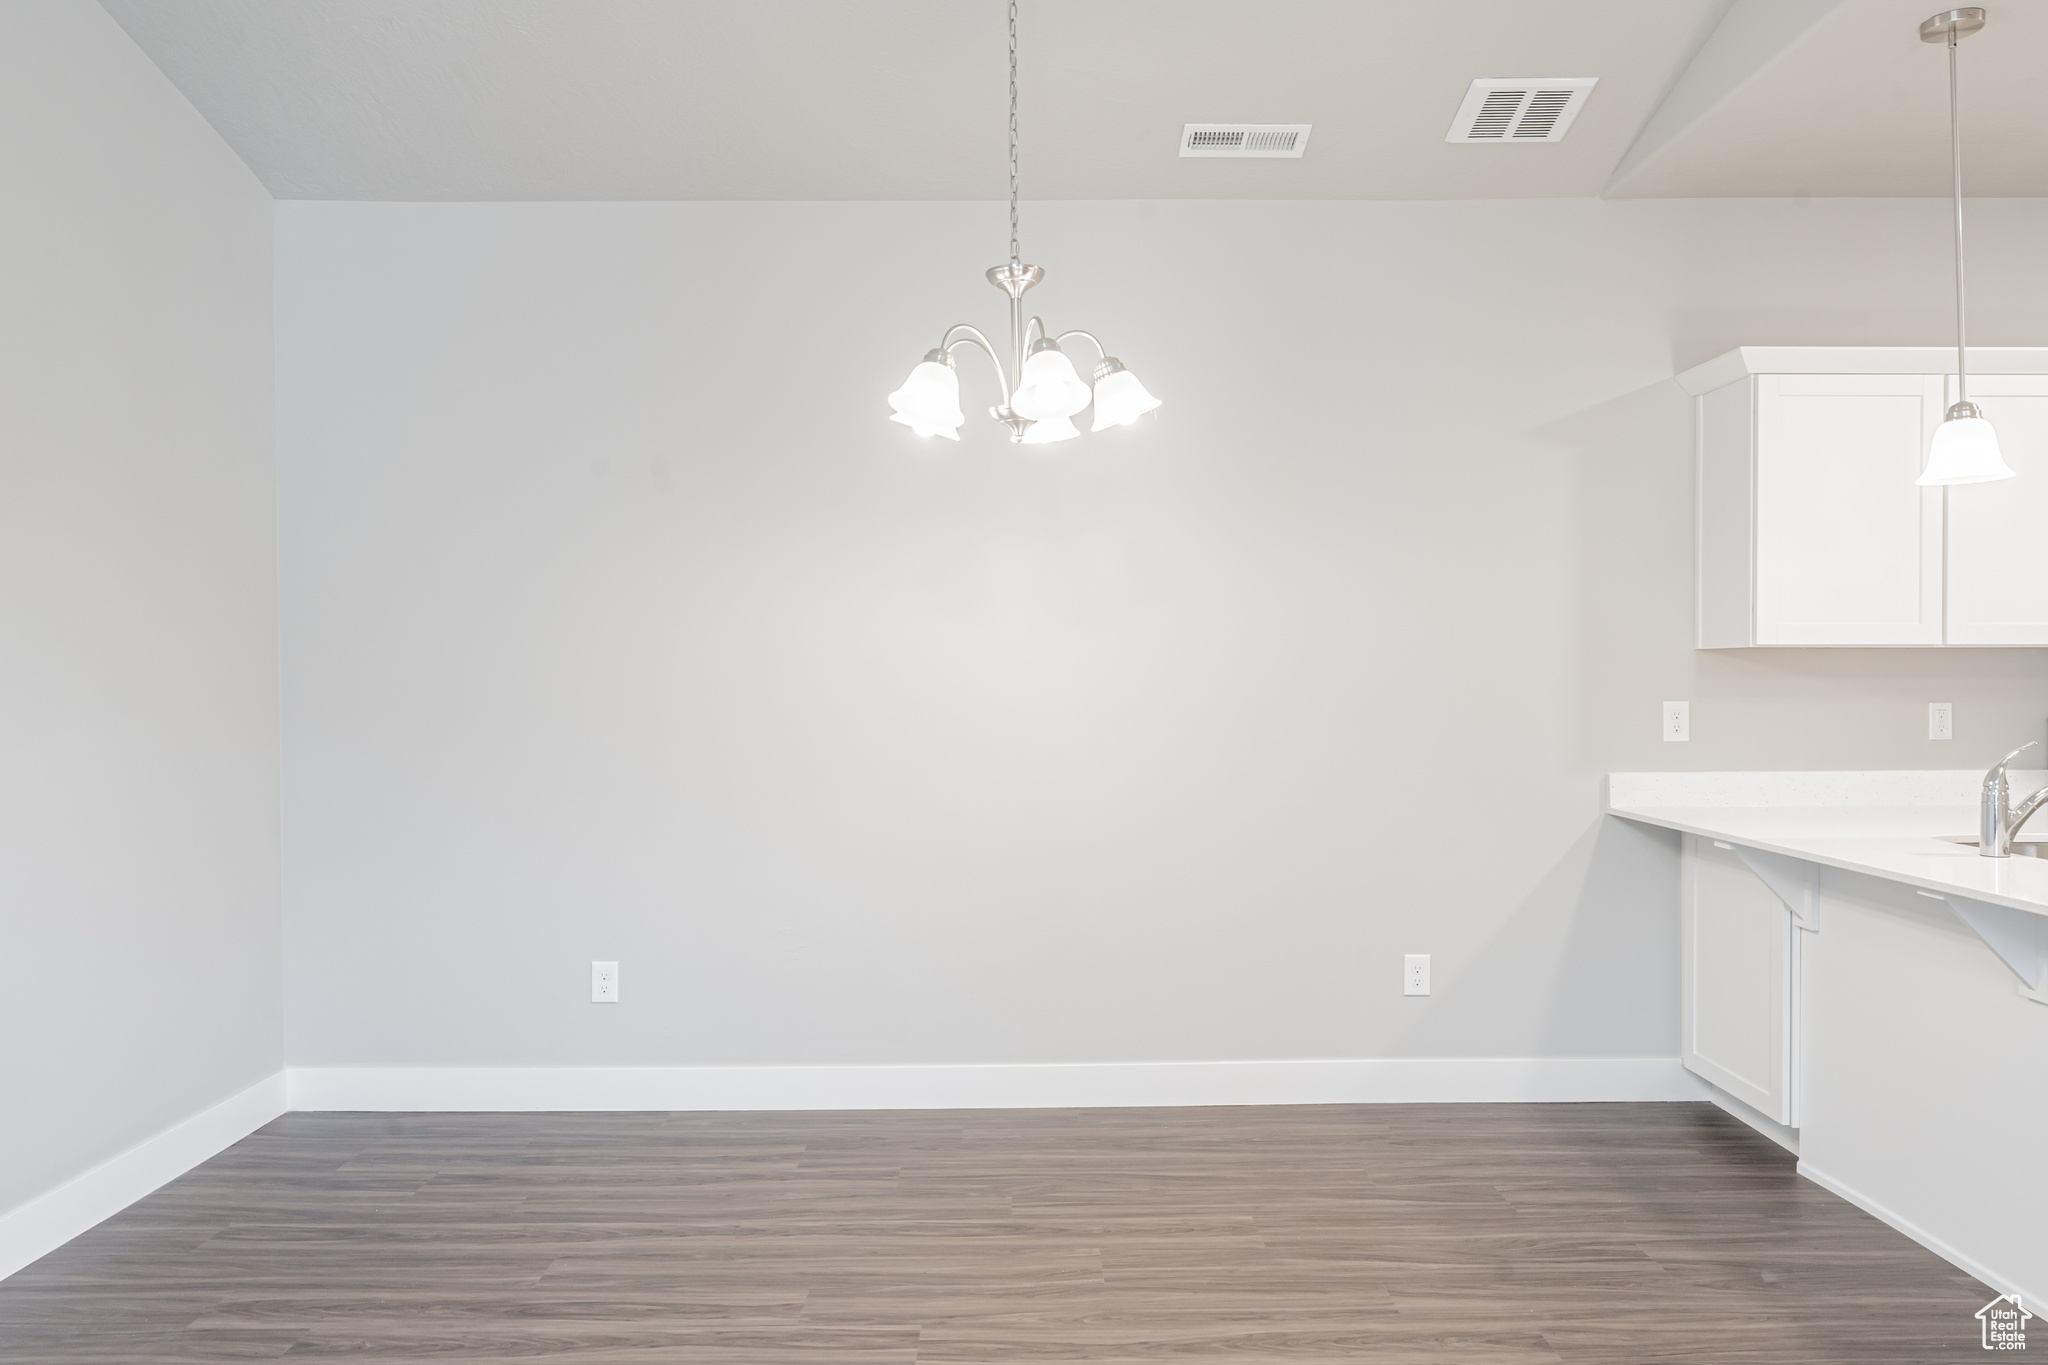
2021, 848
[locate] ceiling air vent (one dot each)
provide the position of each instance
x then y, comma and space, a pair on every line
1244, 139
1520, 110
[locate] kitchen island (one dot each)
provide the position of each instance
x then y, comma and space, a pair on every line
1863, 986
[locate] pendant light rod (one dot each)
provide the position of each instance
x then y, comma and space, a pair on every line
1951, 27
1955, 161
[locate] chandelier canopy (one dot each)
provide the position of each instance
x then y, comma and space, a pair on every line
1048, 392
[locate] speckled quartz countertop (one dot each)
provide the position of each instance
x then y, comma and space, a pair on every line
1895, 825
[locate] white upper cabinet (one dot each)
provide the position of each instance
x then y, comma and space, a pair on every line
1996, 531
1811, 530
1848, 547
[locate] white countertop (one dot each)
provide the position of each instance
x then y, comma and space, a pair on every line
1894, 825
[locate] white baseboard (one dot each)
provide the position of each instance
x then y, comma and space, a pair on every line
1081, 1085
2004, 1284
40, 1226
1788, 1138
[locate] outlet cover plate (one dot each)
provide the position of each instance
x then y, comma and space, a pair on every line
1677, 721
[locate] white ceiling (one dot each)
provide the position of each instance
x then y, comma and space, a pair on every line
906, 99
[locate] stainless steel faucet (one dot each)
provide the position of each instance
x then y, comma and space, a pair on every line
1997, 821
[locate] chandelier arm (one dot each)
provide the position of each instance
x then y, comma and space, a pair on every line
1093, 340
973, 337
1026, 334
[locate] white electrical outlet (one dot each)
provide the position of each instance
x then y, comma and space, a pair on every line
1415, 974
604, 983
1677, 721
1941, 720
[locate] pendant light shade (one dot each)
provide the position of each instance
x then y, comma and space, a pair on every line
1050, 388
929, 401
1965, 450
1046, 430
1119, 398
925, 429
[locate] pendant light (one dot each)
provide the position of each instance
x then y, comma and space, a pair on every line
1049, 392
1965, 448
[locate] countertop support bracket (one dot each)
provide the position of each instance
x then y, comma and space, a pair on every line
1792, 880
2018, 937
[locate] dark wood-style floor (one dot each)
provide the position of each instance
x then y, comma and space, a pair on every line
1389, 1233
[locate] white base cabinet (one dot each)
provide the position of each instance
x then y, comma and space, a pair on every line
1811, 530
1740, 958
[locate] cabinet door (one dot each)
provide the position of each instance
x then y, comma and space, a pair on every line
1736, 990
1996, 595
1848, 547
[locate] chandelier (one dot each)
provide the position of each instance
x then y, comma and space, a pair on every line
1049, 392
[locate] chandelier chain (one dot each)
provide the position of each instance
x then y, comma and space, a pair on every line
1013, 133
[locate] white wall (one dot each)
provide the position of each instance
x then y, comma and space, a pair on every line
620, 624
140, 935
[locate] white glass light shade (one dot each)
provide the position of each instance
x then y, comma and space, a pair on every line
924, 429
1046, 430
1965, 450
929, 401
1120, 400
1049, 388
